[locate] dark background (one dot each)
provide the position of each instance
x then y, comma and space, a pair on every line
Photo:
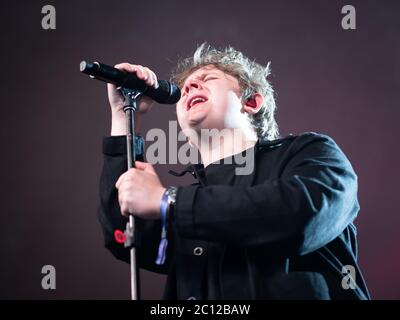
344, 83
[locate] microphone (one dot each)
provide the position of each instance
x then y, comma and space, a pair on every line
165, 93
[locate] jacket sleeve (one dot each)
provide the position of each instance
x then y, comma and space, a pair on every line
148, 232
310, 204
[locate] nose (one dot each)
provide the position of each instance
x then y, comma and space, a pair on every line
190, 85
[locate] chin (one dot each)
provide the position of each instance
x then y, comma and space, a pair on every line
197, 122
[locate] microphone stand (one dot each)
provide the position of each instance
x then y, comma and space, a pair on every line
129, 109
168, 94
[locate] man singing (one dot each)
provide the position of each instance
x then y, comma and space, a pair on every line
282, 230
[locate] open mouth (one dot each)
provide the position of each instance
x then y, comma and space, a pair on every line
194, 101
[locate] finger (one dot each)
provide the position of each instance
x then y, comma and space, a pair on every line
124, 211
140, 165
149, 76
119, 181
125, 66
141, 73
125, 214
125, 177
120, 202
154, 77
132, 68
122, 206
145, 166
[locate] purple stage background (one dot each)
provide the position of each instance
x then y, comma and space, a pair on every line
344, 83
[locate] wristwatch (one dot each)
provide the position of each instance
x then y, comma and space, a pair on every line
171, 197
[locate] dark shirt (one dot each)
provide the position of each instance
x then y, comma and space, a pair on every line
219, 173
283, 232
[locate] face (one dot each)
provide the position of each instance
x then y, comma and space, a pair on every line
210, 99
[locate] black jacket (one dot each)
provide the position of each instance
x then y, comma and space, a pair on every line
283, 232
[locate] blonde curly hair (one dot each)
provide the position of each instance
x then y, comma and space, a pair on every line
252, 78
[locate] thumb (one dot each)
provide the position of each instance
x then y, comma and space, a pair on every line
121, 177
145, 166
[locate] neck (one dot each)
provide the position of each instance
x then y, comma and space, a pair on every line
228, 142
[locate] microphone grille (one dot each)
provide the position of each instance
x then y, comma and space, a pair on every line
169, 92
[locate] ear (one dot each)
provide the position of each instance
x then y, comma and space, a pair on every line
253, 104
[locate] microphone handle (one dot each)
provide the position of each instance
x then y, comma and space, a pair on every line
112, 75
165, 93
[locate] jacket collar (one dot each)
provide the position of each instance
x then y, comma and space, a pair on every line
197, 170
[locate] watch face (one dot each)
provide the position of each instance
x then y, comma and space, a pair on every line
171, 192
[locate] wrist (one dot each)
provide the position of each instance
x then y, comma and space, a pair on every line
168, 204
118, 123
159, 203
